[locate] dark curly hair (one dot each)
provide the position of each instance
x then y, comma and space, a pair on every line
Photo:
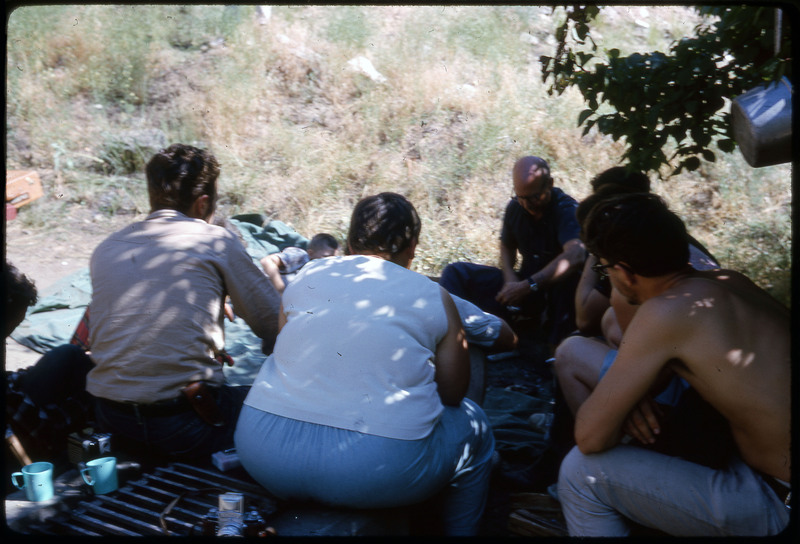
323, 240
383, 223
20, 293
627, 179
178, 175
613, 181
639, 230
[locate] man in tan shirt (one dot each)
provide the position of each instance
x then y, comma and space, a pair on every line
723, 335
158, 293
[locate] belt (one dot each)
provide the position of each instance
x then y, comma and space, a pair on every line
783, 492
162, 408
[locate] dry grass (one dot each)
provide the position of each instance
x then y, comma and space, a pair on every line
302, 137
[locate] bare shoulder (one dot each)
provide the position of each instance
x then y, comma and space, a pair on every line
729, 285
712, 303
717, 316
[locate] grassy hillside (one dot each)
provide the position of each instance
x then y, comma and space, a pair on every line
301, 135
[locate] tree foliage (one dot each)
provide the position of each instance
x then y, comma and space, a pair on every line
675, 101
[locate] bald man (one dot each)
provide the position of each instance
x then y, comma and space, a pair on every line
540, 226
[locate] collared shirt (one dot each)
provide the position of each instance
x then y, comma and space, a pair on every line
540, 241
158, 292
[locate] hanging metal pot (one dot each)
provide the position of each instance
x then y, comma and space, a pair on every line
762, 123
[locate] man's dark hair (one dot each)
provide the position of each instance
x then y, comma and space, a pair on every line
601, 193
639, 230
323, 240
178, 175
383, 223
20, 293
630, 181
613, 181
523, 165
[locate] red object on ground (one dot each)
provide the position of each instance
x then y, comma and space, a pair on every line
11, 211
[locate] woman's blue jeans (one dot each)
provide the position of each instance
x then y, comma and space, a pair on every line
305, 461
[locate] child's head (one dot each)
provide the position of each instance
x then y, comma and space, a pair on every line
322, 245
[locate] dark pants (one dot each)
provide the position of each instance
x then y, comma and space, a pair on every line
183, 436
48, 401
480, 284
58, 374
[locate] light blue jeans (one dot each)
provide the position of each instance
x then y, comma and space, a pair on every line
298, 460
599, 491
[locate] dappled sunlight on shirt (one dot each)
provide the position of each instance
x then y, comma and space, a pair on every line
387, 311
397, 396
420, 303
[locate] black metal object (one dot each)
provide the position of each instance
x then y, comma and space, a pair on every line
171, 500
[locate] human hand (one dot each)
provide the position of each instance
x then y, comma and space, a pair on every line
513, 292
642, 423
228, 309
224, 359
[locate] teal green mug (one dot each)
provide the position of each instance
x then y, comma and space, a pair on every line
37, 481
101, 475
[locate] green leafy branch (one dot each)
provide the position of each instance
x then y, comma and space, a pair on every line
674, 100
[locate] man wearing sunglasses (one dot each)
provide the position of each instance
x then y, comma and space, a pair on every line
729, 340
540, 225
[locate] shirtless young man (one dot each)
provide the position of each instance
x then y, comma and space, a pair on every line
722, 334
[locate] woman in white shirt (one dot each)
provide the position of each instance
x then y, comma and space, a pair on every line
362, 404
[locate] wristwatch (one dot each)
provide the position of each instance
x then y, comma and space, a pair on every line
534, 286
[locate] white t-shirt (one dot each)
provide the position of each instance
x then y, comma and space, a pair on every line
357, 349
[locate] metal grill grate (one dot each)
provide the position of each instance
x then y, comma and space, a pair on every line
136, 508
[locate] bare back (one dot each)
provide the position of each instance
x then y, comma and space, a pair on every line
735, 351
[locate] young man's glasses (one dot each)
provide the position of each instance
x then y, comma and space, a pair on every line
532, 198
602, 269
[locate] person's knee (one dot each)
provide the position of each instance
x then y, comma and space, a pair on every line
571, 470
452, 276
475, 412
479, 424
565, 355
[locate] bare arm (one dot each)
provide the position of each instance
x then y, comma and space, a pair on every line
589, 302
572, 257
508, 258
569, 259
610, 329
272, 265
623, 310
647, 348
507, 339
452, 358
281, 318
